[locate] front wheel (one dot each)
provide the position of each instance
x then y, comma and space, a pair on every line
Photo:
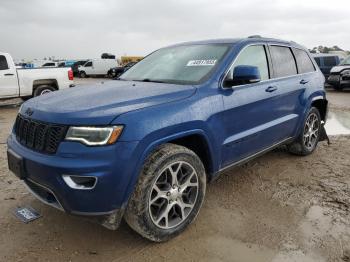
169, 193
309, 137
82, 74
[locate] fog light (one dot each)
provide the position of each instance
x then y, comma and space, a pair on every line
80, 182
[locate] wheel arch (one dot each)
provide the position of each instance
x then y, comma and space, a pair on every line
44, 82
321, 104
186, 139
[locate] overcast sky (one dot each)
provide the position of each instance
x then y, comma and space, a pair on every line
86, 28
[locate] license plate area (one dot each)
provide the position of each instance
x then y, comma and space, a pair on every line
15, 164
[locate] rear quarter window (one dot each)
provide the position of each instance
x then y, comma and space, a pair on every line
3, 63
304, 62
283, 61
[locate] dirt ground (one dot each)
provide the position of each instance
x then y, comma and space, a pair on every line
277, 207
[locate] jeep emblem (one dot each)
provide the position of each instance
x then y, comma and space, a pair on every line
29, 111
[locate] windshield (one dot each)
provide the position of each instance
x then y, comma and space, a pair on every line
189, 64
346, 61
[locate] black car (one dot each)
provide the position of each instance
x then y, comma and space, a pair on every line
339, 76
117, 71
76, 65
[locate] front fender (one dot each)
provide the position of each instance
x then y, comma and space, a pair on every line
146, 147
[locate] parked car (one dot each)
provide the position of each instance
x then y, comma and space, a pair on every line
96, 67
107, 56
67, 63
340, 75
119, 70
326, 62
75, 66
144, 147
50, 64
26, 83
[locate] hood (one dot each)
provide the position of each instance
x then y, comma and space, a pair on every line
339, 68
99, 104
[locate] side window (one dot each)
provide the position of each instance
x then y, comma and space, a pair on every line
303, 61
88, 64
3, 63
329, 61
283, 61
253, 56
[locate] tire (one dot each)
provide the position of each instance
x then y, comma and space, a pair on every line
82, 74
41, 90
338, 87
154, 209
307, 141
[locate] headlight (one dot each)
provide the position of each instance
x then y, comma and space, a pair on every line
345, 73
94, 136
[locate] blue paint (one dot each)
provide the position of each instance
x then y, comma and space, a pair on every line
233, 122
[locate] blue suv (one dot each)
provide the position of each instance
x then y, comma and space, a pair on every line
144, 147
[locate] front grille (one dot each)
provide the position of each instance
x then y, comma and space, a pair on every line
39, 136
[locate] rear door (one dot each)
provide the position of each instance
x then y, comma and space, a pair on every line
291, 86
8, 78
306, 79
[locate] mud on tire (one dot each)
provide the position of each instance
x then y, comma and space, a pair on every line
157, 177
302, 146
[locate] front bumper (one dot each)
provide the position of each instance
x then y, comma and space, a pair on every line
338, 80
111, 165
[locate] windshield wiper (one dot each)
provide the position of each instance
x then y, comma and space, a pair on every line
149, 80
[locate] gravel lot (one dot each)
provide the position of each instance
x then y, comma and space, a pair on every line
277, 207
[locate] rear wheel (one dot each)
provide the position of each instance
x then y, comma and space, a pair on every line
308, 139
169, 193
42, 90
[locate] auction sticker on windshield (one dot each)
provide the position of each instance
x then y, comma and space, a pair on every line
209, 62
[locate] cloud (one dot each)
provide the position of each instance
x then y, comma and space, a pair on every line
86, 28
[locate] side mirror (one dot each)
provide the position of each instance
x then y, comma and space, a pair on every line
243, 74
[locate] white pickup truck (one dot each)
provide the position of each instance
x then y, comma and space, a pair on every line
27, 83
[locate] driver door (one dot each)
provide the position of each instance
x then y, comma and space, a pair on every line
251, 111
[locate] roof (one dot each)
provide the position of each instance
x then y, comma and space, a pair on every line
232, 41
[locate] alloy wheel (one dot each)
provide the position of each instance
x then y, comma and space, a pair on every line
311, 130
173, 195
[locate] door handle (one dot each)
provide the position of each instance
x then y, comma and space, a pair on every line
303, 81
271, 89
8, 74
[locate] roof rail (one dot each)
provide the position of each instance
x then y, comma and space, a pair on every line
254, 36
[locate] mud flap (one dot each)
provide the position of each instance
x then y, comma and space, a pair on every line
110, 221
323, 134
113, 220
